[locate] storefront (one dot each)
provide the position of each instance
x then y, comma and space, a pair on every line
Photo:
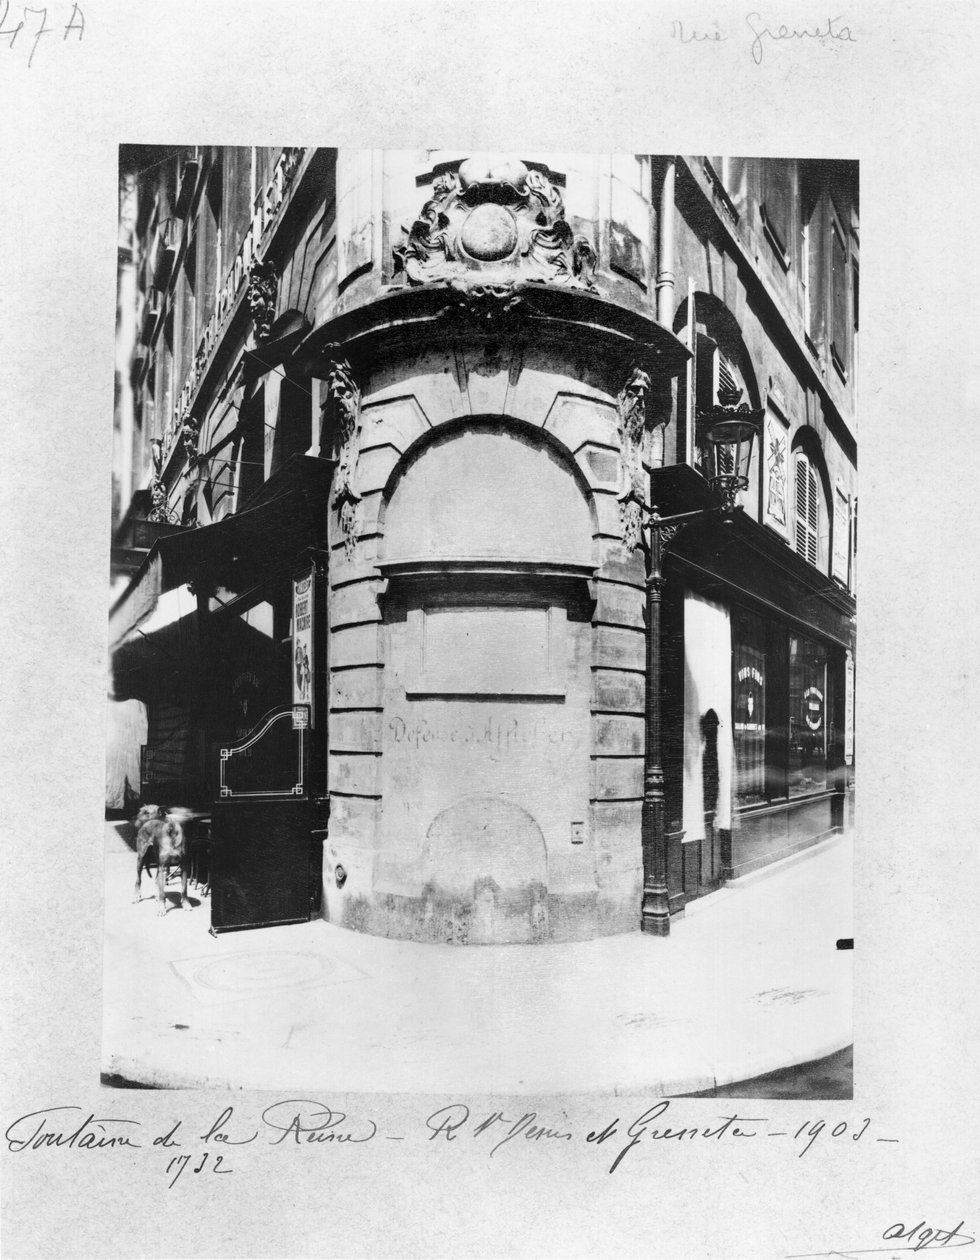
223, 648
761, 647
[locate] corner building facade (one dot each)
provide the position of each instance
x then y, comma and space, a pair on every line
409, 668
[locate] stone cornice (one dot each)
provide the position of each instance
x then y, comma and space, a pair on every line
429, 315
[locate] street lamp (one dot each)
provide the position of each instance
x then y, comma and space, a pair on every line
728, 429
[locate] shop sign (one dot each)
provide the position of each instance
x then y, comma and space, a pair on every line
813, 708
748, 704
849, 710
303, 641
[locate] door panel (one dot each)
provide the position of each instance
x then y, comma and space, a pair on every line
265, 862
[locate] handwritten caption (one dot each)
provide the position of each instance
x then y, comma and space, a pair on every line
306, 1122
34, 22
761, 34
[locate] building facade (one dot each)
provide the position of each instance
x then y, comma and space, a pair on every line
382, 580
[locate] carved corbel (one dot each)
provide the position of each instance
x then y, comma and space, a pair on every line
632, 408
159, 512
262, 286
490, 307
343, 420
189, 432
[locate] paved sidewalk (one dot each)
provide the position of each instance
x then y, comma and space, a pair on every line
750, 980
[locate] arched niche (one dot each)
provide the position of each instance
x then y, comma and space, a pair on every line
486, 691
488, 492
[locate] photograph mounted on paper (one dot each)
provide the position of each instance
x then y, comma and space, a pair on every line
482, 651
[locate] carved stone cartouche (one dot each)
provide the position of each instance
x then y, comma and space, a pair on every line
495, 223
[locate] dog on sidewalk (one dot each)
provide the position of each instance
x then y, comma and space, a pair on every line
160, 839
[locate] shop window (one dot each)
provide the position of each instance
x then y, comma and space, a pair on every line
749, 703
807, 716
782, 690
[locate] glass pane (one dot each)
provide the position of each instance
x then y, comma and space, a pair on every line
807, 716
750, 709
270, 760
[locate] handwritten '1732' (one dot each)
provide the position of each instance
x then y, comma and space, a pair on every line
34, 23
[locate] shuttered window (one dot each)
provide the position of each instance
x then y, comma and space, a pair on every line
779, 206
807, 510
726, 380
840, 316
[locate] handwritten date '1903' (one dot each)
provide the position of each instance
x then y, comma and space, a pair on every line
34, 22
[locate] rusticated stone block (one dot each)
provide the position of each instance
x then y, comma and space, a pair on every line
358, 688
355, 732
618, 736
614, 648
617, 778
615, 689
355, 603
357, 773
619, 605
355, 645
575, 421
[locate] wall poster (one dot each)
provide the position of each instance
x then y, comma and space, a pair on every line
303, 640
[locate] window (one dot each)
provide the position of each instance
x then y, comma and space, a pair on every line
840, 304
778, 208
807, 716
714, 373
186, 285
730, 177
807, 510
783, 696
749, 703
236, 209
207, 249
165, 375
829, 280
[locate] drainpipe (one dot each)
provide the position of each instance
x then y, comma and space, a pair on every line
665, 258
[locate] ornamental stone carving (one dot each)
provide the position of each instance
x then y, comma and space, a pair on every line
495, 223
262, 286
632, 408
343, 416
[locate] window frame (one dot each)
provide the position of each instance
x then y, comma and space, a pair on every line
776, 738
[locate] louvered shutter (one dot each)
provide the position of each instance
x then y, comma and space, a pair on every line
807, 510
726, 380
839, 314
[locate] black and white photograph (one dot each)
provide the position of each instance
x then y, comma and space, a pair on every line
483, 621
453, 804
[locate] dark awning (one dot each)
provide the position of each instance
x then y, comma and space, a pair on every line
734, 556
284, 519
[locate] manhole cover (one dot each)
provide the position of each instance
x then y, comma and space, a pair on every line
246, 972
